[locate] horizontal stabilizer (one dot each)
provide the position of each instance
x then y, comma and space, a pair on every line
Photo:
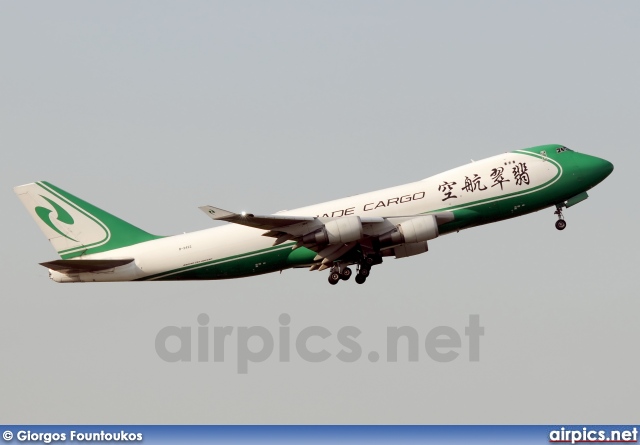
79, 266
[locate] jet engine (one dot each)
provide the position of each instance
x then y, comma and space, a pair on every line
414, 230
338, 231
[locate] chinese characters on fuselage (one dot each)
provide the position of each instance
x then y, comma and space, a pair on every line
450, 190
520, 174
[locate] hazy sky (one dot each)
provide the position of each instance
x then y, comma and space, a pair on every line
151, 109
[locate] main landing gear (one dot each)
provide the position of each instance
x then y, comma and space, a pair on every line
362, 275
340, 271
561, 224
364, 268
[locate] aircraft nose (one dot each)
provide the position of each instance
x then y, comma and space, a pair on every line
603, 168
596, 169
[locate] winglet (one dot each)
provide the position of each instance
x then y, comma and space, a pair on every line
216, 213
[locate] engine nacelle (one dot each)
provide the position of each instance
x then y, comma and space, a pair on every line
410, 249
414, 230
338, 231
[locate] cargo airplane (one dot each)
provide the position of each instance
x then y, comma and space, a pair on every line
359, 231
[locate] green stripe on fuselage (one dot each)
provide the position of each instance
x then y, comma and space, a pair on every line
258, 262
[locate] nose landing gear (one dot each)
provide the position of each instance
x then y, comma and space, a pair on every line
561, 224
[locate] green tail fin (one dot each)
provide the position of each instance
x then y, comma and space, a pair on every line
74, 226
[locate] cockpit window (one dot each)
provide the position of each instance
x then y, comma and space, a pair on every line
562, 149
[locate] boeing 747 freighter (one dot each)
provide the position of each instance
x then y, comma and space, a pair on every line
359, 231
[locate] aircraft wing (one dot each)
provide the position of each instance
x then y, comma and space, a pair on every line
297, 226
332, 238
266, 222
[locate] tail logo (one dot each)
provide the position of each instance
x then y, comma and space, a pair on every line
62, 216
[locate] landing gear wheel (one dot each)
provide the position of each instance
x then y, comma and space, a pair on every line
364, 272
334, 277
561, 224
346, 274
360, 279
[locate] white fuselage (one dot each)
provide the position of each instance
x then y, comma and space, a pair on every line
437, 193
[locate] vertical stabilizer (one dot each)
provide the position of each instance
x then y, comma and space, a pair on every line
74, 226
